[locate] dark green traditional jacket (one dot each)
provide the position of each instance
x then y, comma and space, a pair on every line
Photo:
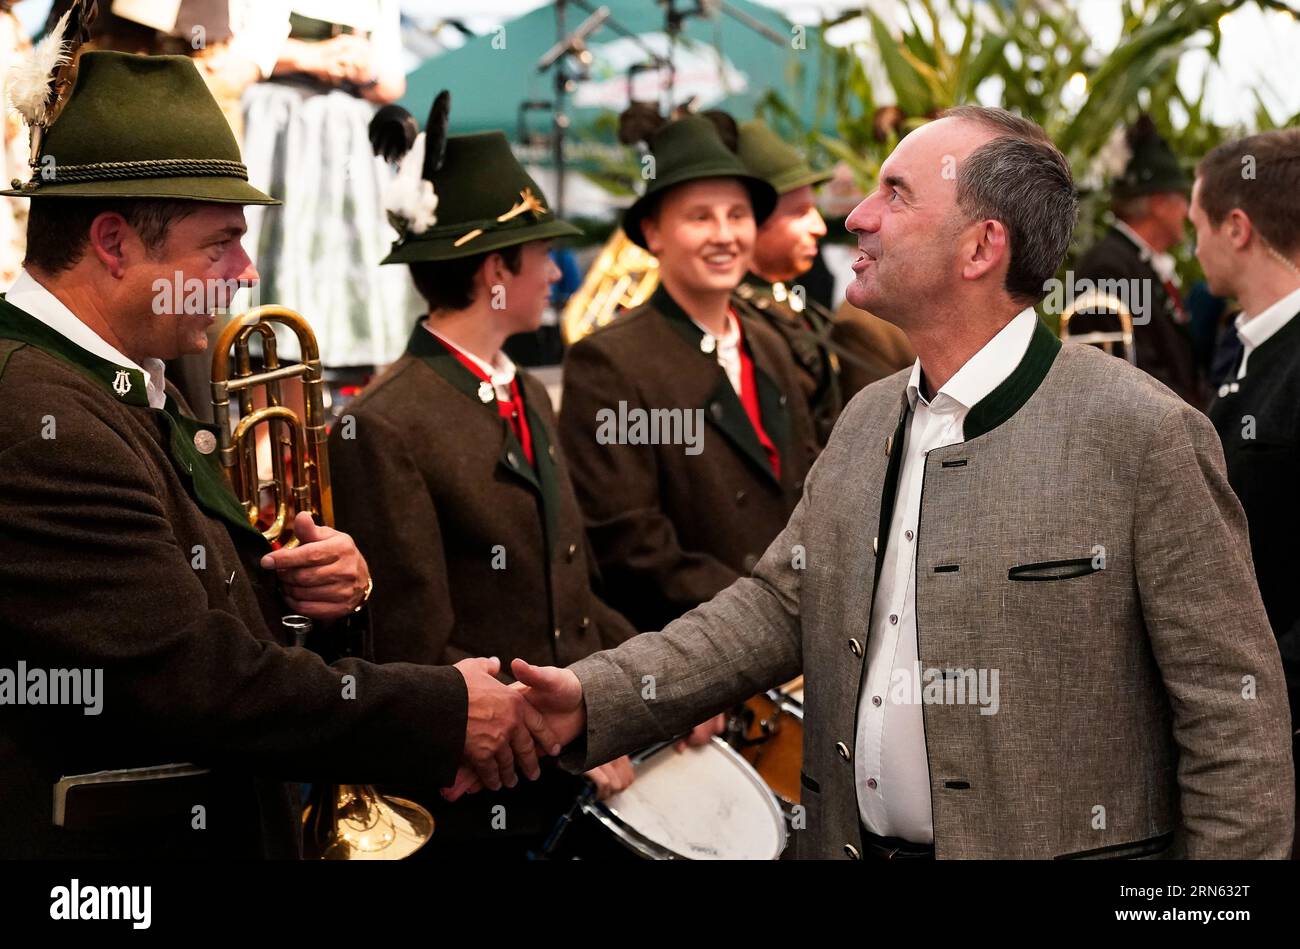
122, 550
670, 528
487, 553
806, 329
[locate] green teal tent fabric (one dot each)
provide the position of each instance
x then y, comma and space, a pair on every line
488, 82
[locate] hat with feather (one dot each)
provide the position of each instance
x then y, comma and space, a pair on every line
691, 147
118, 125
1142, 162
456, 195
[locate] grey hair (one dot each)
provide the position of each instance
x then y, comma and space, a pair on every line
1022, 180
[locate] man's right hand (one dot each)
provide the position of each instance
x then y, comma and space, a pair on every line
502, 727
555, 693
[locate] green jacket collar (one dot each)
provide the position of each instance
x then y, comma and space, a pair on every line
124, 383
207, 482
1015, 390
541, 476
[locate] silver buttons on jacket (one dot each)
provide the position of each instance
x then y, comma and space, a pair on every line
843, 750
855, 647
851, 852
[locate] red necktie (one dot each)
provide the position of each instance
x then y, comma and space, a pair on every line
512, 409
749, 399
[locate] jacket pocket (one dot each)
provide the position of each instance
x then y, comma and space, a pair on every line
1130, 851
1054, 569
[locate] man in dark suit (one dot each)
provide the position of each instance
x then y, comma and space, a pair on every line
1149, 201
124, 556
687, 430
1246, 211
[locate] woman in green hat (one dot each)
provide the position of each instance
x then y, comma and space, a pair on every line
687, 431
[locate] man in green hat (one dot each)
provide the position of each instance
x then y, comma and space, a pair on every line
684, 422
127, 564
830, 351
1149, 200
448, 469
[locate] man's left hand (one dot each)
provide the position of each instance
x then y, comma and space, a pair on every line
324, 577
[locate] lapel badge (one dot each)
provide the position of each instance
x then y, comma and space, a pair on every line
122, 383
205, 441
486, 393
708, 344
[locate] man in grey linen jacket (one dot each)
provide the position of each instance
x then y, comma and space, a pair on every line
1130, 702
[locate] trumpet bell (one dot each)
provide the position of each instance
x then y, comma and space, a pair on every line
359, 823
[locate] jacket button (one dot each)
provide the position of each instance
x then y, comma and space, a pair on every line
569, 554
889, 446
586, 622
875, 546
852, 852
740, 497
716, 409
556, 634
781, 401
843, 749
798, 485
750, 562
512, 460
855, 647
550, 450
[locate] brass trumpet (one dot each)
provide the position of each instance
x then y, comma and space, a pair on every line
1092, 303
345, 821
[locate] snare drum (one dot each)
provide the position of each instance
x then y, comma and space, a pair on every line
704, 803
772, 738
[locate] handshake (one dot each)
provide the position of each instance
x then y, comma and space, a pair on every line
540, 712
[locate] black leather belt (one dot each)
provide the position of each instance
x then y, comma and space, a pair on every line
893, 848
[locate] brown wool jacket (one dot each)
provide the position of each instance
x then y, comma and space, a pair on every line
122, 549
487, 554
671, 529
480, 554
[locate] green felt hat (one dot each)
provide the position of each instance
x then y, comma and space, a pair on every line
140, 127
691, 149
486, 201
1152, 167
776, 161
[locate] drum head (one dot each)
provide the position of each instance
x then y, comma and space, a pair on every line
705, 803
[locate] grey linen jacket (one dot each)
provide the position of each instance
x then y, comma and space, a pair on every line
1141, 707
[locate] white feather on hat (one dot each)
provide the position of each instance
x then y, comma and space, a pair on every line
410, 199
30, 78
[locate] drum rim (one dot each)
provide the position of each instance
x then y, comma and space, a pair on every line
635, 840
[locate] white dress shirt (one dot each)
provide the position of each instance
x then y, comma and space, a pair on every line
891, 765
501, 370
726, 348
34, 300
1254, 330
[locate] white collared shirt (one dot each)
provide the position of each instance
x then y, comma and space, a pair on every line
726, 348
1254, 330
34, 300
891, 767
501, 371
